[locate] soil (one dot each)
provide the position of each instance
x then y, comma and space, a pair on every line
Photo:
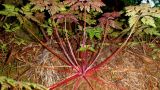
129, 70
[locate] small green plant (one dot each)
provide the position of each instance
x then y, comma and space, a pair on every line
147, 29
3, 47
146, 16
7, 84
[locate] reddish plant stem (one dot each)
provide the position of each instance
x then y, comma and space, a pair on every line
64, 50
84, 29
100, 49
52, 87
83, 54
99, 52
96, 55
44, 34
105, 61
49, 49
70, 47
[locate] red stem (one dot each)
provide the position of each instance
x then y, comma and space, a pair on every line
52, 87
83, 54
101, 47
105, 61
48, 48
64, 51
84, 29
70, 47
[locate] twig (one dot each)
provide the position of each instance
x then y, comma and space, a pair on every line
43, 66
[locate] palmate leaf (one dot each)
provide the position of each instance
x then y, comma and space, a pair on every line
148, 21
51, 5
144, 10
109, 20
137, 10
94, 32
26, 10
85, 5
39, 4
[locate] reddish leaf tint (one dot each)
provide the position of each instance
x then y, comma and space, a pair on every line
61, 18
85, 4
108, 20
51, 5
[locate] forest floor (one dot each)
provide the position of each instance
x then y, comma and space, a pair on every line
129, 70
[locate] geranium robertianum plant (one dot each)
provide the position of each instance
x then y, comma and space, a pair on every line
80, 36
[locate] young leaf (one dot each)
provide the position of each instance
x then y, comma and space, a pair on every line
148, 21
27, 9
94, 32
86, 47
10, 10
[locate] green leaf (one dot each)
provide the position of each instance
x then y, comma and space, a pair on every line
3, 47
91, 49
148, 21
10, 10
36, 86
132, 20
94, 32
26, 8
114, 34
7, 83
86, 47
152, 31
29, 13
49, 31
20, 41
98, 35
82, 49
38, 8
11, 82
11, 28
